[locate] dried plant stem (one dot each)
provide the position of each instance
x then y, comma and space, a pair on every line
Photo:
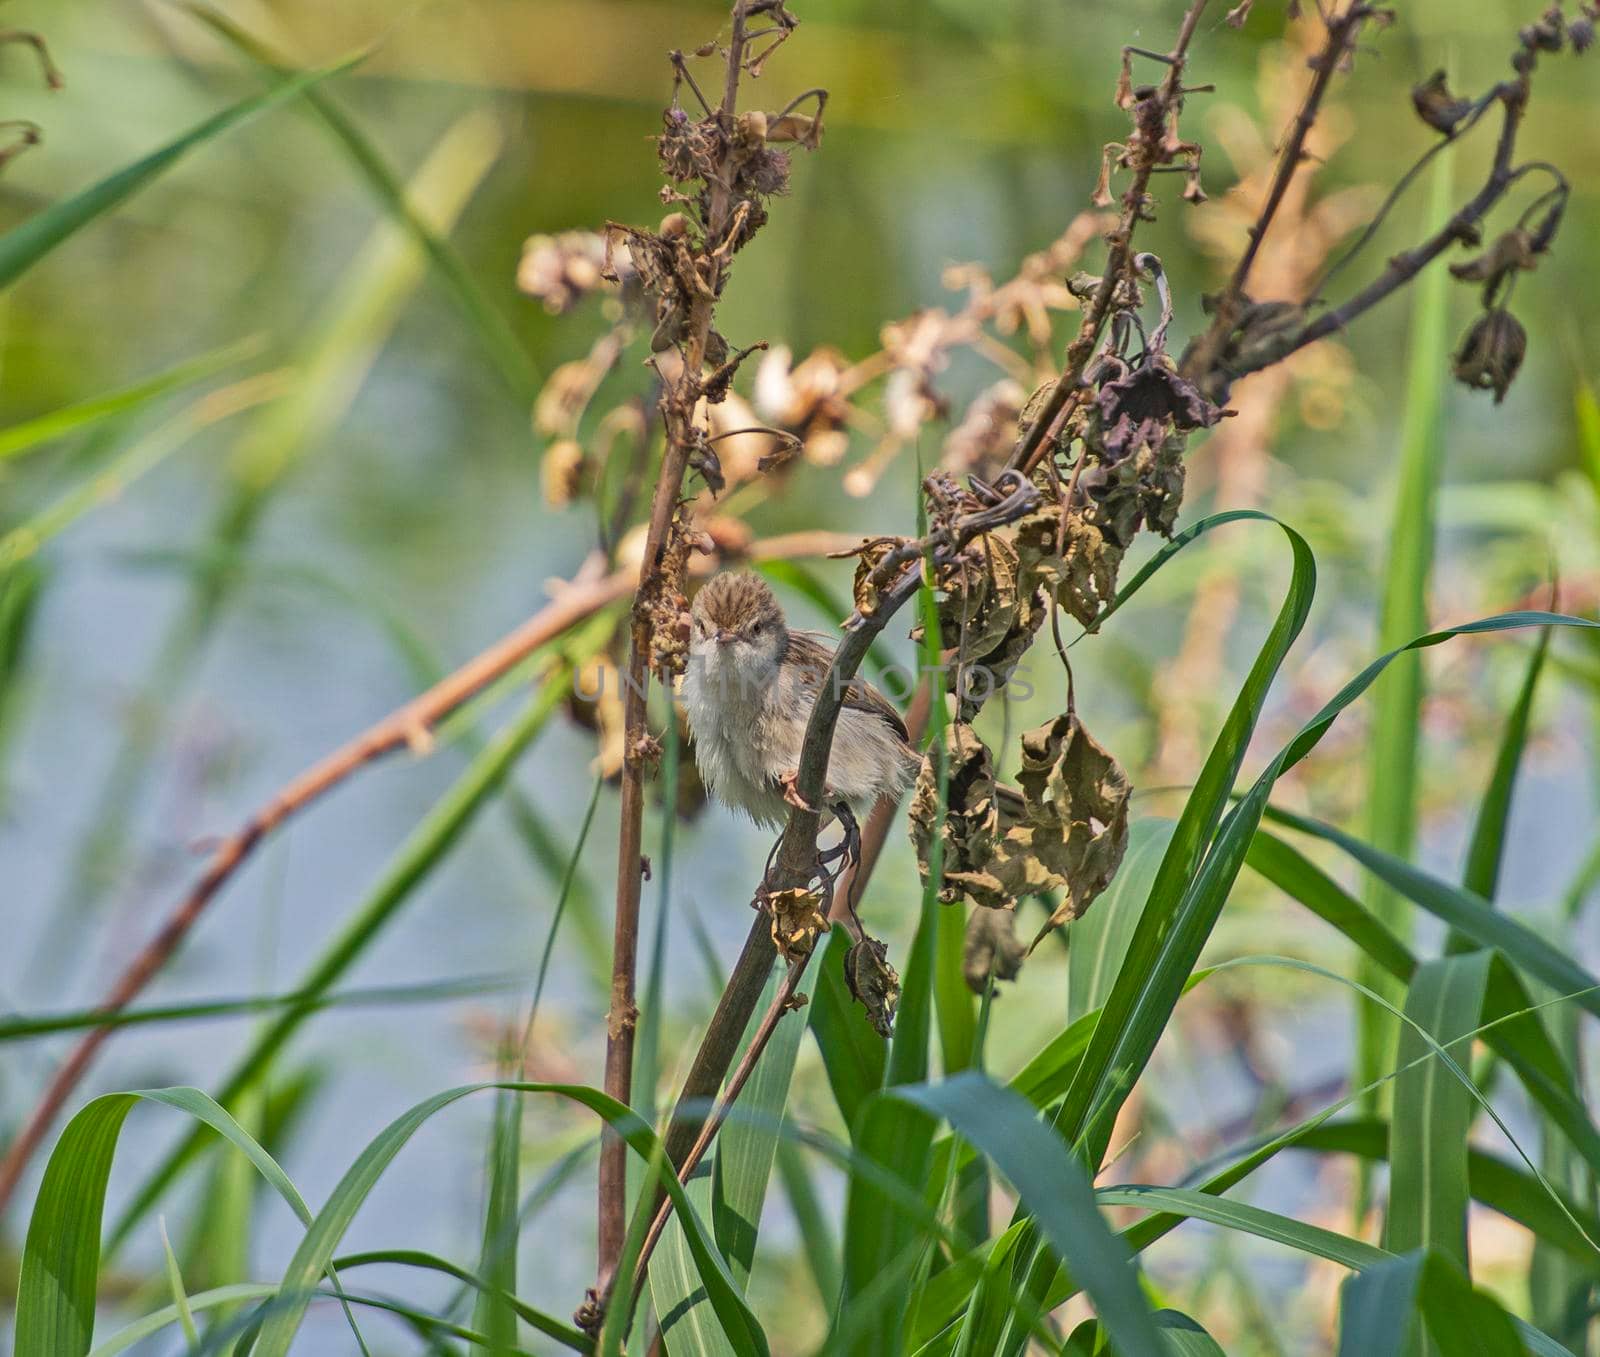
1343, 30
409, 726
678, 404
1068, 389
1205, 361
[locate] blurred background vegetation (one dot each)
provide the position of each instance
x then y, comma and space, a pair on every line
232, 603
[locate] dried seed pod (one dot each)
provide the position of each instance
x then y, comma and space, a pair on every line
1491, 353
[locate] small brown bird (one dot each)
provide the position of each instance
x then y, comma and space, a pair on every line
748, 690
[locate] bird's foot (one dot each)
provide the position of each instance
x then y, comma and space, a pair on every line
791, 791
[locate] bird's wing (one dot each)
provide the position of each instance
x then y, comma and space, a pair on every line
810, 651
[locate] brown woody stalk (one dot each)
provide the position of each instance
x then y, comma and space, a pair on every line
678, 404
1148, 154
409, 726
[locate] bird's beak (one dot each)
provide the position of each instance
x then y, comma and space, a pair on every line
724, 636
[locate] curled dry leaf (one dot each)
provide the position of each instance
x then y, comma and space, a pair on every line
977, 598
991, 948
1436, 106
1141, 407
988, 618
797, 922
865, 588
1065, 831
1511, 251
1076, 812
971, 825
873, 983
1081, 575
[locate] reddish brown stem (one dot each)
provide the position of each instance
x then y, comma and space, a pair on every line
678, 407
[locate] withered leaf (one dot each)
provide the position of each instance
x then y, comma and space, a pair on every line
1140, 408
873, 983
1436, 106
977, 599
1082, 577
1511, 251
1076, 807
703, 458
800, 128
869, 555
991, 947
797, 921
972, 820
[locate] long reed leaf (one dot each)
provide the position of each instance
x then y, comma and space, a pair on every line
24, 246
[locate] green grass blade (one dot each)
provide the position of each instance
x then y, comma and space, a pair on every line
1380, 1309
1482, 874
1397, 698
548, 1325
329, 368
493, 1314
21, 587
731, 1193
1113, 1062
1515, 1033
61, 1256
1461, 910
376, 996
1182, 907
492, 329
1054, 1188
24, 246
1182, 1336
180, 1298
748, 1144
852, 1055
142, 456
816, 1235
1247, 1219
322, 1237
881, 1244
1433, 1113
1307, 884
31, 433
1100, 938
